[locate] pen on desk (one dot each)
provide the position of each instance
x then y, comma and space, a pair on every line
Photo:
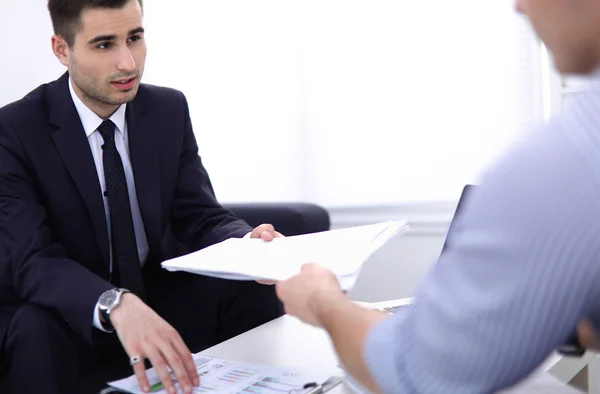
316, 388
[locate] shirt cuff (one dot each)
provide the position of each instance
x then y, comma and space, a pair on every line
248, 235
380, 352
97, 323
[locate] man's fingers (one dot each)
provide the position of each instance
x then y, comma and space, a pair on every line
139, 369
266, 232
306, 267
259, 230
186, 358
160, 366
140, 373
267, 236
587, 335
267, 227
266, 282
174, 361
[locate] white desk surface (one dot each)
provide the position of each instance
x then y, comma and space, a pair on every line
288, 342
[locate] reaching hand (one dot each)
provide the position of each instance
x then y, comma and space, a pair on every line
144, 334
303, 294
587, 336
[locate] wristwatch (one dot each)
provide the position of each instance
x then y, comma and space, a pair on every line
108, 301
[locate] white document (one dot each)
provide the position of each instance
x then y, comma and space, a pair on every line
342, 251
227, 376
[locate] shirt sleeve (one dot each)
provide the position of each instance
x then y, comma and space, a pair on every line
380, 353
519, 271
96, 320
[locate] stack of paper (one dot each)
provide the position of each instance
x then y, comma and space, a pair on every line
342, 251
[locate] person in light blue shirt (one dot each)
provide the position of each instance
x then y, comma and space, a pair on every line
512, 285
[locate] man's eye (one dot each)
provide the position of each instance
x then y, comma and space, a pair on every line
104, 45
135, 38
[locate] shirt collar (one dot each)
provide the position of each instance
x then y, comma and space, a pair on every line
90, 120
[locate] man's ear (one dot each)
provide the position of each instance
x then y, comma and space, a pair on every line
60, 49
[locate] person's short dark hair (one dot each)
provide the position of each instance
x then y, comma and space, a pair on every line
66, 14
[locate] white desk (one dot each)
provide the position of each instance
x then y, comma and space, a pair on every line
288, 342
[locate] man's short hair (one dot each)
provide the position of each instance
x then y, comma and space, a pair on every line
66, 14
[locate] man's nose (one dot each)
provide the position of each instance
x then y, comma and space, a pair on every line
125, 61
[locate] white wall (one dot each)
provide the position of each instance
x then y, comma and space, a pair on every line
26, 60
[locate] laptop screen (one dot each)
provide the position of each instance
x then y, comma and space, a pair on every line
461, 203
393, 308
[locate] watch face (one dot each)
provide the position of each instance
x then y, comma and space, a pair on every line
108, 298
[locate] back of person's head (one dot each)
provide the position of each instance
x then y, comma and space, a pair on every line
66, 14
570, 29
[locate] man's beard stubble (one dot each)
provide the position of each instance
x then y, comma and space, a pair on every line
89, 87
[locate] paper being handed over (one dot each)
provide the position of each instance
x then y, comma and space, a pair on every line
342, 251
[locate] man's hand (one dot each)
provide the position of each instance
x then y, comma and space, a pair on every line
587, 336
267, 233
310, 293
144, 333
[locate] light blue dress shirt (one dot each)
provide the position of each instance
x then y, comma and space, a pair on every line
518, 276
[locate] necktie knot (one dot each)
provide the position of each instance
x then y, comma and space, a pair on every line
107, 129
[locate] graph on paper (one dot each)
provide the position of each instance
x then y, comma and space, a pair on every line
233, 377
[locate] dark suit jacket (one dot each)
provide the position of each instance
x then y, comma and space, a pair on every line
54, 248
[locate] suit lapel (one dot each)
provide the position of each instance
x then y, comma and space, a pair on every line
74, 148
145, 169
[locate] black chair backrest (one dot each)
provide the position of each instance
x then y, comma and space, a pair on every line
287, 218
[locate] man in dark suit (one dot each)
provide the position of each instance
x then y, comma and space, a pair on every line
96, 170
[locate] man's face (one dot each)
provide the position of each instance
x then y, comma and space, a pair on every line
106, 61
570, 29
